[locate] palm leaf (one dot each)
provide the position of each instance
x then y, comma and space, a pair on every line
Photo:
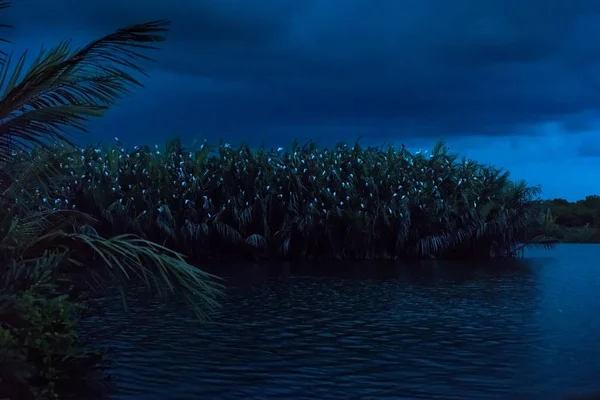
110, 261
4, 4
127, 256
63, 88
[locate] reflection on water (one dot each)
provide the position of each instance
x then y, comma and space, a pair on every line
493, 330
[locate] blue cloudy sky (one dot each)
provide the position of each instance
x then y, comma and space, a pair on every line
509, 82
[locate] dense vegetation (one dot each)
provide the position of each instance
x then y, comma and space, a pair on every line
577, 222
49, 258
308, 202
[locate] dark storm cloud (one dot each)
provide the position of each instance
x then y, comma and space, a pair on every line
427, 67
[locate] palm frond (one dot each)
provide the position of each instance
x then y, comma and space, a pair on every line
127, 256
3, 5
27, 178
109, 261
63, 88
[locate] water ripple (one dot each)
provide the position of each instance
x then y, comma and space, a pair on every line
479, 334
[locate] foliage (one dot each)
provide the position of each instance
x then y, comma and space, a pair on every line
308, 202
576, 222
41, 353
63, 88
48, 256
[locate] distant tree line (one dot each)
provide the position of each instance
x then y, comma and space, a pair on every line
573, 222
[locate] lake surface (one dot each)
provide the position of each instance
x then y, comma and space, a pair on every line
527, 329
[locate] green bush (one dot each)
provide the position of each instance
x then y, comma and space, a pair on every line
41, 355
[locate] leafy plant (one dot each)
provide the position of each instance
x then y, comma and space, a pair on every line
308, 202
41, 352
48, 255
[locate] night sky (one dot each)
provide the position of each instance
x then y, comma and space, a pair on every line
514, 83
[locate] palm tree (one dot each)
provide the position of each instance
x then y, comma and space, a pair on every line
45, 253
59, 91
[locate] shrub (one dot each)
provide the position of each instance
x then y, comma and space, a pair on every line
41, 353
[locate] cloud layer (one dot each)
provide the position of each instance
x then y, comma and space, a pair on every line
339, 69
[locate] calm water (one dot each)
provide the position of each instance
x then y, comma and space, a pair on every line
502, 330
